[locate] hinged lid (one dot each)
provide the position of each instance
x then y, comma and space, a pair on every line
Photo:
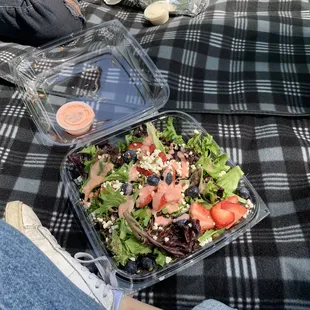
104, 67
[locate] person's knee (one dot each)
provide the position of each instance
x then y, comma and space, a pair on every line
40, 21
62, 19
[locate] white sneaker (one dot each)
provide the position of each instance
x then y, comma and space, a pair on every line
26, 221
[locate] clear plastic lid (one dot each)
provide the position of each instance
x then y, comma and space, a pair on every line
103, 67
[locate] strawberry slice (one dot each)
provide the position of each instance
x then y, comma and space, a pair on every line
233, 199
145, 196
199, 212
159, 201
144, 171
222, 218
152, 148
134, 146
143, 201
238, 210
163, 156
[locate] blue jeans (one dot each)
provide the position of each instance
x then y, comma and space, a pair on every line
29, 280
36, 22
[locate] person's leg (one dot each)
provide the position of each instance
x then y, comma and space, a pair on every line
28, 279
33, 274
35, 22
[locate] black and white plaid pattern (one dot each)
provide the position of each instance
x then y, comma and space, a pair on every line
249, 60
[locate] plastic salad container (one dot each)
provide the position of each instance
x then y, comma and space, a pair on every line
106, 69
185, 125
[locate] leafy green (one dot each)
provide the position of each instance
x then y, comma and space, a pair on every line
101, 166
130, 138
210, 192
175, 213
121, 146
229, 181
214, 167
161, 258
88, 164
110, 198
143, 216
207, 144
152, 131
121, 254
136, 247
91, 150
135, 191
194, 142
124, 229
209, 233
121, 174
170, 134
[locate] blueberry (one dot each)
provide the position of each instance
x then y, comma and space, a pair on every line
126, 188
147, 263
131, 267
129, 156
168, 179
97, 226
153, 180
244, 193
192, 191
181, 222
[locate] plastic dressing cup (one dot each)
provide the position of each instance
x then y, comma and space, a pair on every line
112, 2
75, 117
157, 12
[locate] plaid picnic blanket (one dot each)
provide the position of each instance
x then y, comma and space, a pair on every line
247, 63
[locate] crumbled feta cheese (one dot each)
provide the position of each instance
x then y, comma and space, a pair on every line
196, 132
168, 259
107, 224
114, 227
155, 237
189, 224
249, 204
112, 218
106, 239
166, 239
160, 228
155, 227
193, 167
132, 259
99, 156
140, 186
79, 179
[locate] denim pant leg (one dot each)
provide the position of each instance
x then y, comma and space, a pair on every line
30, 281
36, 22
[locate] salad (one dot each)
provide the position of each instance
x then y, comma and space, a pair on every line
156, 198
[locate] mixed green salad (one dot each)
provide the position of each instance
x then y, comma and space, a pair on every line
155, 197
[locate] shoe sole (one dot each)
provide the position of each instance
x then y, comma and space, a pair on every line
13, 215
